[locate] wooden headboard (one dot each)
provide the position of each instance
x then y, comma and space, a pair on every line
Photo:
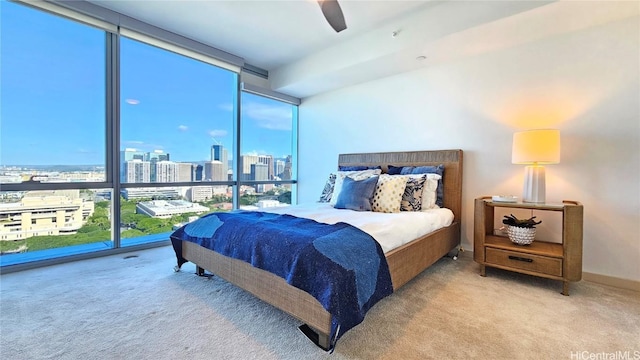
451, 159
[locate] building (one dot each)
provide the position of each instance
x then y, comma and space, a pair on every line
185, 172
204, 193
150, 193
215, 171
166, 171
168, 208
197, 172
248, 161
219, 153
136, 171
139, 166
38, 213
279, 168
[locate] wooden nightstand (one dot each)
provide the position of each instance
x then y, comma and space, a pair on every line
558, 261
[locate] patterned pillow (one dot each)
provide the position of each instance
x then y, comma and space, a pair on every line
325, 197
412, 197
429, 170
429, 192
388, 193
355, 175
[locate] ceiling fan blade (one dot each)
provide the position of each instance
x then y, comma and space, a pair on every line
333, 13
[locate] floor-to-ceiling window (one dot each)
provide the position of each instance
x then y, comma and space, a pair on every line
267, 151
52, 133
109, 141
177, 117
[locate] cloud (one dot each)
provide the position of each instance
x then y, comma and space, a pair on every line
218, 133
183, 127
269, 117
132, 101
226, 107
141, 145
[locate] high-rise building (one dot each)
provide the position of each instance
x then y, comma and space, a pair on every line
165, 171
259, 172
127, 155
247, 161
218, 152
287, 173
244, 166
185, 173
267, 160
279, 168
215, 171
136, 171
197, 171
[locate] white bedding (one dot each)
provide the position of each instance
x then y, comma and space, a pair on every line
389, 230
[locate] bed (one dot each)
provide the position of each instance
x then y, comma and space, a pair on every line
404, 262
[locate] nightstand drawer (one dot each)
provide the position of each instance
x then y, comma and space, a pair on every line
518, 260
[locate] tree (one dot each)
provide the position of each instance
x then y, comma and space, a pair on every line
285, 197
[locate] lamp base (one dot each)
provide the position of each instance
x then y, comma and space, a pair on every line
533, 190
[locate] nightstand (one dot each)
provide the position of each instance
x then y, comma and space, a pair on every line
558, 261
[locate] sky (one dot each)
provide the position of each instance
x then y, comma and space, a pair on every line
52, 98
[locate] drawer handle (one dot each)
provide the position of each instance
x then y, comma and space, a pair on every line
520, 258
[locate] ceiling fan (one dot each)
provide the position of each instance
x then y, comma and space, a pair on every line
333, 13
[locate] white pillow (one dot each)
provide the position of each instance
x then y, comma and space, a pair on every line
429, 194
388, 194
355, 175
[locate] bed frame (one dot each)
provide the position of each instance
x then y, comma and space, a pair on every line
404, 262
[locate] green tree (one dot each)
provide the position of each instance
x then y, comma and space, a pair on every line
248, 199
285, 197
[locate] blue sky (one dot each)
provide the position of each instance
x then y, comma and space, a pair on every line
53, 98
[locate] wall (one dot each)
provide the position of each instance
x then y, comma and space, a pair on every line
584, 82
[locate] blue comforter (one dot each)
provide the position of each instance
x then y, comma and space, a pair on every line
341, 266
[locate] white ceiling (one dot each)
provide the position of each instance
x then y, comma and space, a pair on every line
304, 56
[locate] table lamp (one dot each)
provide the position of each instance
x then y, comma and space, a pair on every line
535, 148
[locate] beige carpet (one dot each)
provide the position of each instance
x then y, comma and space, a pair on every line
124, 307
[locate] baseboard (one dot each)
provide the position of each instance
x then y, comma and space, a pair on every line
612, 281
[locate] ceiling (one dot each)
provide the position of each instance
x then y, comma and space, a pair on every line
267, 34
304, 56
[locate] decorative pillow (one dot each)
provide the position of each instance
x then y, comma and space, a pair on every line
412, 196
388, 193
429, 192
394, 170
357, 167
325, 197
429, 170
355, 175
356, 194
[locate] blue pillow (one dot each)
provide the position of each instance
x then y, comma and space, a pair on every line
431, 170
356, 194
406, 170
394, 170
356, 167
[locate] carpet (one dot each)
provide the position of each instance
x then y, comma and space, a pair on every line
133, 306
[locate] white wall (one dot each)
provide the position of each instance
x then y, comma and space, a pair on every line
585, 83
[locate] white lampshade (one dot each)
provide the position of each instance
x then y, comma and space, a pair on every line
535, 148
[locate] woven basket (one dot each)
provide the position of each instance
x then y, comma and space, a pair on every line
520, 235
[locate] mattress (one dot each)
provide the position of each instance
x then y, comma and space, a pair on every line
389, 230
